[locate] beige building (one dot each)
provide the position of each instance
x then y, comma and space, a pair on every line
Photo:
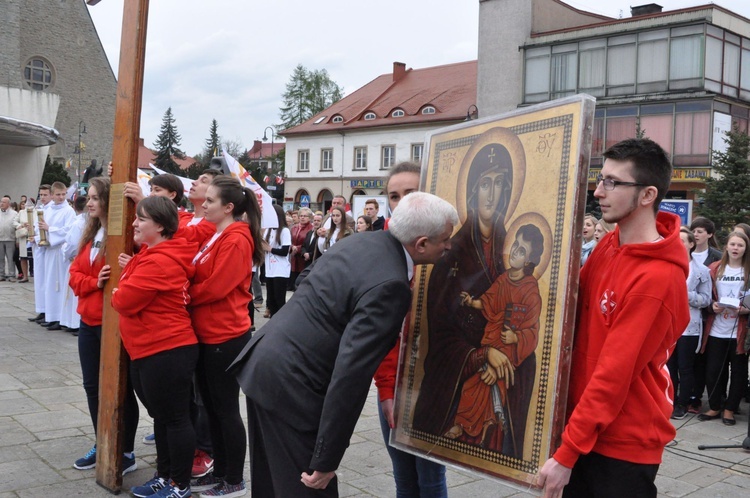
681, 77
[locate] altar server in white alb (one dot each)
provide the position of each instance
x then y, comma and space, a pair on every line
44, 201
70, 319
59, 218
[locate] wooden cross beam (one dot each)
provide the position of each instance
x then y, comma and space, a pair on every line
113, 367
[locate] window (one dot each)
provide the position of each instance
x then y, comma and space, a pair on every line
428, 110
38, 74
564, 70
303, 160
536, 79
591, 67
326, 160
320, 120
360, 158
388, 156
398, 113
338, 119
370, 116
416, 153
685, 62
621, 65
653, 55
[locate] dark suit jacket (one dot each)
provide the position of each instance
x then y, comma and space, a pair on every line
313, 363
310, 246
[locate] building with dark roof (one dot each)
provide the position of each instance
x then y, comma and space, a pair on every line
348, 148
680, 77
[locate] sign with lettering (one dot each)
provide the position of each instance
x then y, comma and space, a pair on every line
678, 174
367, 183
681, 207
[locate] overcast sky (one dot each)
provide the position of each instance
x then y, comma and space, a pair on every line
230, 59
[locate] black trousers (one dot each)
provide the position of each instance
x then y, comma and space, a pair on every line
164, 383
598, 476
279, 455
89, 352
682, 369
221, 393
719, 354
276, 293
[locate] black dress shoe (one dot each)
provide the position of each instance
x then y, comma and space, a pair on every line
40, 316
54, 326
704, 417
44, 324
728, 421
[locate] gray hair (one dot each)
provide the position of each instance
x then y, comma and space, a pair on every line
420, 214
307, 211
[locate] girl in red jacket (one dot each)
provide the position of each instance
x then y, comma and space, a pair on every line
88, 274
151, 298
219, 299
726, 329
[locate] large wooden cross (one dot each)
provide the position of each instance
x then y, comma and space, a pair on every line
113, 367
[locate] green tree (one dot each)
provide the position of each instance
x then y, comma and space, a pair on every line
194, 170
213, 142
307, 93
55, 172
727, 198
167, 145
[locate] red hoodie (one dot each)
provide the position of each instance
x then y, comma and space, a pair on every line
152, 296
221, 287
198, 233
632, 308
84, 276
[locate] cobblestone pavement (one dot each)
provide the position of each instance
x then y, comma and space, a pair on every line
45, 426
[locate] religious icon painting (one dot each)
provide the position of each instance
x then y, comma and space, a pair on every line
483, 371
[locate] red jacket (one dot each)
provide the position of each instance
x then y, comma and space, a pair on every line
152, 299
741, 322
385, 375
299, 232
84, 276
221, 287
632, 308
198, 233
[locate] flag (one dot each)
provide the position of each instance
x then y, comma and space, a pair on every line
143, 179
268, 214
72, 191
69, 163
186, 182
279, 180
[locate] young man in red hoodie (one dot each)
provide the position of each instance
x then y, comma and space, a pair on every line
632, 308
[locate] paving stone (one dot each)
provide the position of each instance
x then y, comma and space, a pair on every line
62, 419
19, 405
10, 383
673, 487
25, 474
719, 490
56, 395
41, 378
12, 433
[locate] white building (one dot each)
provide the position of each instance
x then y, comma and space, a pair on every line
348, 148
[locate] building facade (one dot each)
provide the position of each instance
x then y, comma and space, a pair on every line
55, 75
348, 148
681, 78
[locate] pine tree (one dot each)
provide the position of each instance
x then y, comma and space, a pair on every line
727, 198
167, 145
307, 93
213, 141
55, 172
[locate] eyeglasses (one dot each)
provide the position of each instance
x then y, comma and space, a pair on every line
610, 184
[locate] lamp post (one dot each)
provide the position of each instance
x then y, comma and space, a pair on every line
265, 139
81, 131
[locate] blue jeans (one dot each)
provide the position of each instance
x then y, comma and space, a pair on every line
415, 477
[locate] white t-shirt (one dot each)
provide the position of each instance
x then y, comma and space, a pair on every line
96, 244
731, 284
700, 257
278, 266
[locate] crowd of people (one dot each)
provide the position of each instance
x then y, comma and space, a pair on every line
186, 298
185, 306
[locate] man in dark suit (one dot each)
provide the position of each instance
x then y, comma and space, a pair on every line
308, 371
